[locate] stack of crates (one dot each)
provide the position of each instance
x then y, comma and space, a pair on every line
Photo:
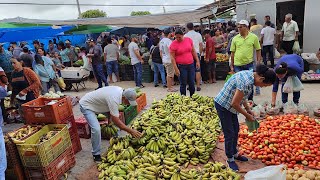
147, 73
222, 70
48, 159
39, 112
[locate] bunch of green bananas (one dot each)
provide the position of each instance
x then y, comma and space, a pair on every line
177, 131
108, 130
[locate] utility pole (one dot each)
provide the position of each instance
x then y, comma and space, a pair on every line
79, 11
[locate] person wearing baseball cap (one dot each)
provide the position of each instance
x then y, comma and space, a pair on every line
102, 101
242, 50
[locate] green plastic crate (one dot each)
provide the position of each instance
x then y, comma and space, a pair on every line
130, 113
33, 154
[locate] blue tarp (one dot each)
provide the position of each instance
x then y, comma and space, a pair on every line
30, 33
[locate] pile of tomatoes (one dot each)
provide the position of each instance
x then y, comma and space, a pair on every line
289, 139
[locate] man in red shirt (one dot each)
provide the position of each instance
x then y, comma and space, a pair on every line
210, 56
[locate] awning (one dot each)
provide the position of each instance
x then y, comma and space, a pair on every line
30, 33
156, 20
89, 29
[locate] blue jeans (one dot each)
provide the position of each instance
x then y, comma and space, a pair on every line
284, 96
98, 73
3, 157
187, 76
112, 67
159, 68
268, 49
137, 70
243, 68
94, 124
230, 128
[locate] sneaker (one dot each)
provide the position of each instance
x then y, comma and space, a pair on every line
241, 158
156, 85
98, 88
97, 158
232, 165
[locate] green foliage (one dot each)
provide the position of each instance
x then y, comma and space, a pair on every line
140, 13
93, 13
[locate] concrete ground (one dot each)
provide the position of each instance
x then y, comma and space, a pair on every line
86, 168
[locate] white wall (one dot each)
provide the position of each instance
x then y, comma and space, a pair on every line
260, 8
311, 37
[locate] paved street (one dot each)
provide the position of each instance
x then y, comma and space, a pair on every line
85, 167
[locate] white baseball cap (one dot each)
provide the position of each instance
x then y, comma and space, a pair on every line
131, 95
244, 22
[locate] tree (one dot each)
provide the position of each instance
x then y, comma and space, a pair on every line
140, 13
93, 13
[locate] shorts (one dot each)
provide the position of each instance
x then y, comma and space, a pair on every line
211, 66
195, 64
112, 67
169, 69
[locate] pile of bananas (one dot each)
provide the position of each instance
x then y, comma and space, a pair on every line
108, 130
47, 136
20, 134
222, 57
177, 131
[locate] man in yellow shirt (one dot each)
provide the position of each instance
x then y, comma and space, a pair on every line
242, 49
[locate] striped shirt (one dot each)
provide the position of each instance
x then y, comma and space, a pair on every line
243, 81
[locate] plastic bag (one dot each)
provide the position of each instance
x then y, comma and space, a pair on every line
262, 110
273, 110
288, 86
297, 85
290, 108
276, 53
61, 83
303, 109
311, 58
86, 64
296, 47
252, 125
256, 112
267, 173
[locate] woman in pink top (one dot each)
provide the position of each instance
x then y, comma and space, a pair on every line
182, 56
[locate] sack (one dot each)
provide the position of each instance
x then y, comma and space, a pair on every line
61, 83
290, 108
296, 47
252, 125
262, 110
288, 86
276, 53
297, 85
311, 58
303, 109
267, 173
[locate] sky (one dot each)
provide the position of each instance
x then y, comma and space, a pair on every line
63, 12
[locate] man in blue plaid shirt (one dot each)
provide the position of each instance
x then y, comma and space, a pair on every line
229, 103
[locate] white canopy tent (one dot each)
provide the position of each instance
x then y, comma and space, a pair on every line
156, 20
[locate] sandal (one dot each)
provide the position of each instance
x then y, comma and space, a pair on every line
172, 90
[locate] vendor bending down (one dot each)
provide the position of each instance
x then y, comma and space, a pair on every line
228, 103
288, 65
103, 100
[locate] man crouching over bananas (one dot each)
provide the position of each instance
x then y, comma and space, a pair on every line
103, 100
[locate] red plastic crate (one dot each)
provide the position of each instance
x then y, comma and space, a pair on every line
55, 170
142, 102
83, 128
38, 112
75, 141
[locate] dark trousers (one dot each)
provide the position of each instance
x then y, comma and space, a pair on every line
284, 96
243, 68
287, 46
230, 128
137, 72
187, 76
98, 73
268, 50
204, 73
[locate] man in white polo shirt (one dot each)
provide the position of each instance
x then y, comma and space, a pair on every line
198, 46
267, 39
290, 32
104, 100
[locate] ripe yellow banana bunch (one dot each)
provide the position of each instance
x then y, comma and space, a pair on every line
108, 130
22, 133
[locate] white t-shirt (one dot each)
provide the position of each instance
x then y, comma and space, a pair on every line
132, 47
164, 48
106, 99
289, 30
268, 35
196, 39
